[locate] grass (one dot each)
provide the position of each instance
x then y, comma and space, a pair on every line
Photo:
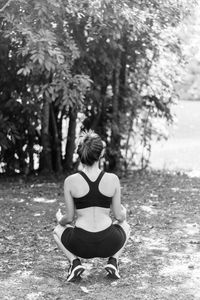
182, 150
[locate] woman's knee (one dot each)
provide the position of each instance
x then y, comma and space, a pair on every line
58, 230
126, 227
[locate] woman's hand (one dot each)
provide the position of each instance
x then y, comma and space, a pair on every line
62, 219
59, 215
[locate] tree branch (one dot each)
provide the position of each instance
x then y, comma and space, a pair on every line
5, 5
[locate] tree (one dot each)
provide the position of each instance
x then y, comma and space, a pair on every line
102, 59
121, 43
47, 51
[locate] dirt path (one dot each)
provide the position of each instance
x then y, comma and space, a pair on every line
161, 261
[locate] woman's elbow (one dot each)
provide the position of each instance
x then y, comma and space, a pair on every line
120, 217
66, 220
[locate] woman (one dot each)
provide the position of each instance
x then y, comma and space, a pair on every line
90, 196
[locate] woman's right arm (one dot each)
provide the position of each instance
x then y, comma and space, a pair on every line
119, 211
69, 203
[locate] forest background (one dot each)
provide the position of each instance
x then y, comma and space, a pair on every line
118, 67
111, 66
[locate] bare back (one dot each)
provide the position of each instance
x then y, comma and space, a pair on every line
93, 218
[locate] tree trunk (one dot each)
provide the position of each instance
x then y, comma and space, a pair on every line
55, 142
114, 152
45, 157
118, 107
122, 86
31, 159
70, 146
98, 122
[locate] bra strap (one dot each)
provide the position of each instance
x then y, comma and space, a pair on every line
99, 178
96, 182
85, 177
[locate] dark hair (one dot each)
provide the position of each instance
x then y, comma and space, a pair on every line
90, 147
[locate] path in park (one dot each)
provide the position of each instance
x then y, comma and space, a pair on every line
182, 150
162, 256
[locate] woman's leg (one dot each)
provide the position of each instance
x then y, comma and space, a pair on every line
57, 233
112, 265
126, 228
76, 269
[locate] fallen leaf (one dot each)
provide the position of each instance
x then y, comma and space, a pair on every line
10, 238
114, 283
84, 289
43, 200
125, 260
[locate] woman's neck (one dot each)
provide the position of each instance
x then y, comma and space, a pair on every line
91, 169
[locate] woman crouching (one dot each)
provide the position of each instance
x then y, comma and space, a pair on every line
90, 197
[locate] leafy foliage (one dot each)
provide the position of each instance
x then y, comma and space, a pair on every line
105, 59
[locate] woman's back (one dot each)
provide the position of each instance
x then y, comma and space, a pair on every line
92, 194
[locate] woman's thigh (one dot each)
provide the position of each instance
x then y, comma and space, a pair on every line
60, 229
125, 226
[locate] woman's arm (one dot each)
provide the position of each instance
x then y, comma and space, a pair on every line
119, 211
69, 202
62, 219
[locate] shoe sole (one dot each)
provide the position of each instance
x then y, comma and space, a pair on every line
76, 273
112, 271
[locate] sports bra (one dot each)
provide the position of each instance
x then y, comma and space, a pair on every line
94, 197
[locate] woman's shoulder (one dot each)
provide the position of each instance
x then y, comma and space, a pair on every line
111, 177
71, 178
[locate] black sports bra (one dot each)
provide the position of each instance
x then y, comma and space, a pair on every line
94, 197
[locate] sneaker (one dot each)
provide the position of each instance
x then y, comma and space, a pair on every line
75, 270
112, 268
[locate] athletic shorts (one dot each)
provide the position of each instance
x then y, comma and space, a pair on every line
87, 244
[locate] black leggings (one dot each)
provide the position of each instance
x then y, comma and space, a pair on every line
87, 244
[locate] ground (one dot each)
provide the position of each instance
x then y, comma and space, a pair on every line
161, 260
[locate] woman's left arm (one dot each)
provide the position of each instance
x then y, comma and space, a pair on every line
69, 202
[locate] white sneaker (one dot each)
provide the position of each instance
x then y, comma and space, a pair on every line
75, 270
112, 268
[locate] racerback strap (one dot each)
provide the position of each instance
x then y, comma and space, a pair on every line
90, 182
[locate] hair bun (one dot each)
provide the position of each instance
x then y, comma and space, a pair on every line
90, 147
